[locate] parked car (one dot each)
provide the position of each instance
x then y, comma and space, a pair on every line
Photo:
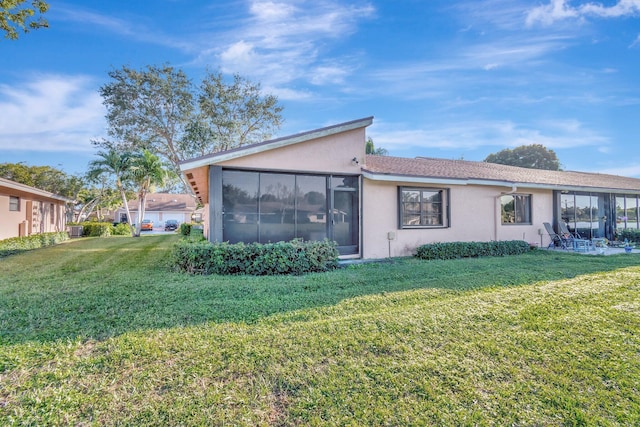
170, 225
146, 224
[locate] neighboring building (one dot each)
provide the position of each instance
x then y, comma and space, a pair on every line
161, 207
27, 210
320, 184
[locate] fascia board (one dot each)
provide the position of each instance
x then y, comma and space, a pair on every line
32, 190
276, 143
462, 181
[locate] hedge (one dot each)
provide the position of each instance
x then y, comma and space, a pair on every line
453, 250
35, 241
295, 257
102, 229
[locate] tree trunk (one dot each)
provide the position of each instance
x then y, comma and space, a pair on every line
126, 208
142, 201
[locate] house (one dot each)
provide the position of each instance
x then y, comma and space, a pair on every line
27, 210
320, 184
161, 207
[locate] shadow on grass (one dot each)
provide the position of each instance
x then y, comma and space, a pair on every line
98, 288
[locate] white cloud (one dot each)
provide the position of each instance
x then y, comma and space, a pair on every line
329, 74
558, 10
439, 77
555, 134
282, 42
137, 30
51, 113
630, 170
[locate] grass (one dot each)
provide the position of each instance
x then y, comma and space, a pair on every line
100, 332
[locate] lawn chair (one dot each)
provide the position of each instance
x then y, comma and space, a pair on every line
564, 229
556, 239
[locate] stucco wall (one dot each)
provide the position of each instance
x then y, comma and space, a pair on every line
10, 219
329, 154
42, 222
474, 216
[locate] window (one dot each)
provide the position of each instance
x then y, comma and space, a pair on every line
14, 203
626, 211
52, 209
270, 207
423, 207
516, 209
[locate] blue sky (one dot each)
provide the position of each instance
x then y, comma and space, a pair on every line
449, 79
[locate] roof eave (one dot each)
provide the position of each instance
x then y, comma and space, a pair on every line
273, 144
373, 176
32, 190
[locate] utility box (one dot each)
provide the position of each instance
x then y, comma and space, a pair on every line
75, 231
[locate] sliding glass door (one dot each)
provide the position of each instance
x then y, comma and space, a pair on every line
585, 213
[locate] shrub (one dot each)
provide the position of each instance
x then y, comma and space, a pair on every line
631, 234
185, 229
196, 232
454, 250
96, 229
294, 257
121, 229
20, 244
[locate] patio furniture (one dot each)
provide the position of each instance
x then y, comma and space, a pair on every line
556, 239
581, 245
564, 229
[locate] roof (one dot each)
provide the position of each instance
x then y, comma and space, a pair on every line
259, 147
21, 190
166, 202
423, 169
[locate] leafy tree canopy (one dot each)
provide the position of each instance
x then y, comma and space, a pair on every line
22, 15
534, 156
371, 149
45, 178
159, 109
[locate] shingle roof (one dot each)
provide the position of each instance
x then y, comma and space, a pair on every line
166, 202
464, 170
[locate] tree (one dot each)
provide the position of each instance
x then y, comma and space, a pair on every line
159, 109
146, 171
117, 165
15, 16
149, 109
46, 178
535, 156
236, 114
371, 149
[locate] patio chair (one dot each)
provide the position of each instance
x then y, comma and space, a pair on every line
564, 229
556, 239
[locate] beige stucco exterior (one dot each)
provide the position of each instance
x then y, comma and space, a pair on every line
38, 211
474, 216
331, 154
474, 189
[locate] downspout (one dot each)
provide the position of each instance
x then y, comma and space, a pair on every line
496, 206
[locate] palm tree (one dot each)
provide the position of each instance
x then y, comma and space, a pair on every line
115, 164
146, 171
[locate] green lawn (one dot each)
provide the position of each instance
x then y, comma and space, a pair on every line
101, 332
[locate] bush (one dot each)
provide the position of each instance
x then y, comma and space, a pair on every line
454, 250
121, 229
21, 244
96, 229
631, 234
294, 257
185, 229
